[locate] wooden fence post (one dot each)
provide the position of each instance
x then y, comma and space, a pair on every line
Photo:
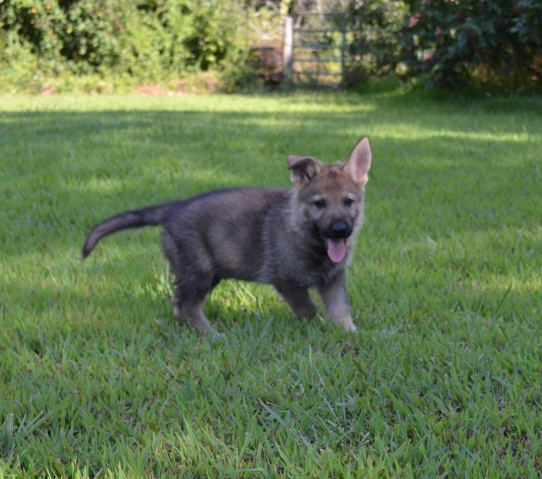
343, 50
288, 47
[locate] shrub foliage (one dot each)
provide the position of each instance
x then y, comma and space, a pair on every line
375, 48
448, 43
150, 40
453, 42
440, 42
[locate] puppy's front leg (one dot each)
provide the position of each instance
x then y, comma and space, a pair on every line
299, 300
336, 301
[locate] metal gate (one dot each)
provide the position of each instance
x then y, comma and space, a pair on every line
315, 46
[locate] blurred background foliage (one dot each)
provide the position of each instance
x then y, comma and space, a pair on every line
99, 45
474, 41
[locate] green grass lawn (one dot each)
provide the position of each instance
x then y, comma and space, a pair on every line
444, 378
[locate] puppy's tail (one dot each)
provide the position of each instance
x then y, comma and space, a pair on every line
151, 216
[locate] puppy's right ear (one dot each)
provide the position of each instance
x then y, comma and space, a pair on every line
303, 168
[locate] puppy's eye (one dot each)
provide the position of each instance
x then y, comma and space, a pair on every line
348, 201
319, 204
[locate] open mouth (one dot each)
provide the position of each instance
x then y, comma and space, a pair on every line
336, 249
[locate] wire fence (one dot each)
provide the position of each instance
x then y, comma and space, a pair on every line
315, 48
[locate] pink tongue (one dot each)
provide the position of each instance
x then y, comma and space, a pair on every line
336, 249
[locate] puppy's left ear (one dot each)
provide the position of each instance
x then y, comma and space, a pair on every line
303, 168
359, 161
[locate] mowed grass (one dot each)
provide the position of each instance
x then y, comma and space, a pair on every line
443, 379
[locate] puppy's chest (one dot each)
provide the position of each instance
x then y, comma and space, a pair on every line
304, 271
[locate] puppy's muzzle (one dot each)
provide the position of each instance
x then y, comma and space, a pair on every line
338, 230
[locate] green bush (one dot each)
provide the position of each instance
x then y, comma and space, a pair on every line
71, 44
444, 43
145, 40
464, 42
375, 48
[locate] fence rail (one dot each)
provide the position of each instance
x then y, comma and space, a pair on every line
307, 47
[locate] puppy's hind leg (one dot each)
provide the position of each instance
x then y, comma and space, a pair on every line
188, 306
194, 280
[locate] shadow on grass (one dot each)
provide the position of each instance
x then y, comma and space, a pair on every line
72, 169
122, 300
111, 304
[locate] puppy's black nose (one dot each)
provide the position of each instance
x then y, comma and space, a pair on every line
339, 229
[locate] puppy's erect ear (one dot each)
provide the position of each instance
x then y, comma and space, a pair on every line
358, 163
304, 169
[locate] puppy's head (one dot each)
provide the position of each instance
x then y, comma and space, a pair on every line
330, 197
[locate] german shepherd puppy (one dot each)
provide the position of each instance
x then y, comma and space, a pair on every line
293, 239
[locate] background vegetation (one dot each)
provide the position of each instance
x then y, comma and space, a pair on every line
444, 378
497, 42
99, 45
68, 41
